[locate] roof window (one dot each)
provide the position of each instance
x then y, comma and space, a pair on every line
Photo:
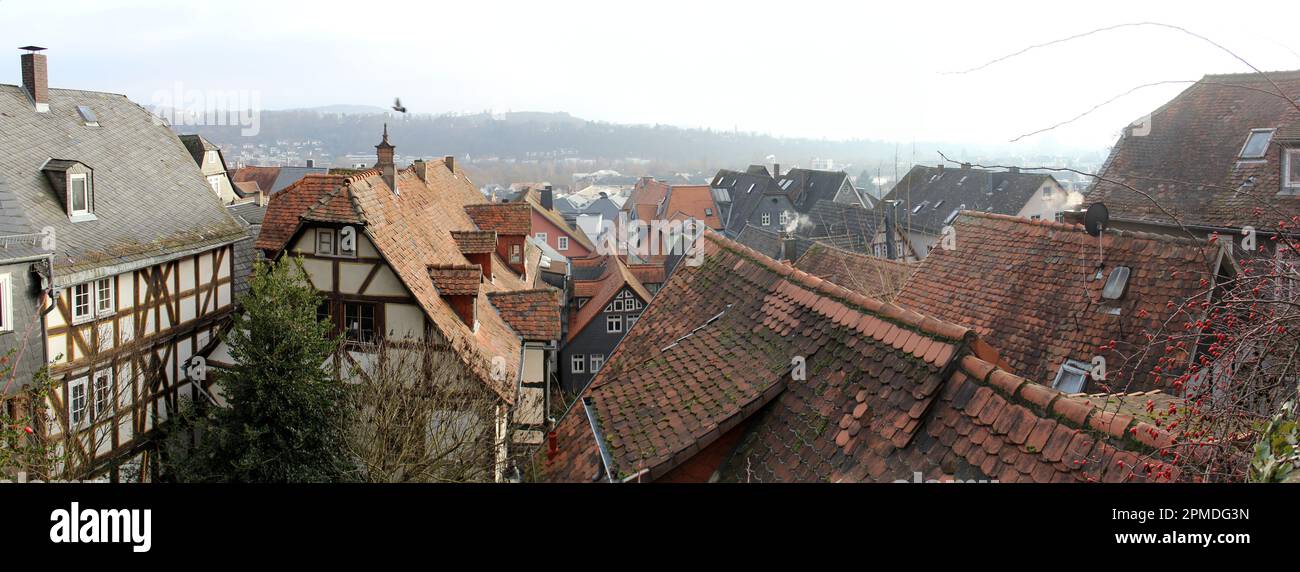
1071, 376
1116, 283
1257, 144
88, 116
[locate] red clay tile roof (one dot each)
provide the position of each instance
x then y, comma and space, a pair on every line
456, 279
504, 218
475, 241
412, 232
870, 276
689, 201
613, 278
263, 176
885, 393
649, 273
644, 200
535, 314
1189, 163
1030, 289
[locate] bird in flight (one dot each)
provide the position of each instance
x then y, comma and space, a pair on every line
397, 105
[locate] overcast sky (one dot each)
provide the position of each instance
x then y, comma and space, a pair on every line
807, 68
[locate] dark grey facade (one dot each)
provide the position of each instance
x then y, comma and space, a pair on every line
595, 339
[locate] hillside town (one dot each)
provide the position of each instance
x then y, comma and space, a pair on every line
758, 323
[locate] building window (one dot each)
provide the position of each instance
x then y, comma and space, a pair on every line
613, 324
597, 360
81, 303
212, 157
564, 243
325, 241
6, 302
618, 305
785, 218
104, 297
77, 401
103, 390
516, 254
708, 212
1257, 144
1071, 377
1291, 167
632, 320
578, 364
80, 194
541, 237
215, 182
767, 219
359, 322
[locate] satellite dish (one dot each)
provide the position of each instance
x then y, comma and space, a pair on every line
1096, 219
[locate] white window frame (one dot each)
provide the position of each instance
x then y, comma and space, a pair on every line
105, 285
578, 363
597, 361
766, 219
333, 242
1291, 169
6, 303
618, 305
614, 324
785, 218
75, 386
87, 190
214, 181
89, 314
102, 407
541, 237
562, 243
1074, 367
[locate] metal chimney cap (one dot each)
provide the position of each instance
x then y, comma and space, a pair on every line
32, 49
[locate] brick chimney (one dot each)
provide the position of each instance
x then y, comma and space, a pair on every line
36, 79
450, 161
548, 198
387, 170
776, 170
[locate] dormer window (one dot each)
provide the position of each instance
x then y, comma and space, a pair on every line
1291, 170
79, 194
1257, 144
74, 184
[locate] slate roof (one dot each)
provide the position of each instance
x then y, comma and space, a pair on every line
1029, 288
746, 190
17, 237
250, 213
886, 393
198, 146
807, 187
534, 314
151, 201
867, 275
848, 224
602, 277
274, 179
942, 191
1188, 159
411, 230
764, 241
249, 216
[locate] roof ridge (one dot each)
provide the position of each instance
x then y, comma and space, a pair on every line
1075, 227
897, 314
1069, 409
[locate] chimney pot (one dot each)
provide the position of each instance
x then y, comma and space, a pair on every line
384, 154
36, 80
548, 198
776, 169
311, 163
450, 161
965, 165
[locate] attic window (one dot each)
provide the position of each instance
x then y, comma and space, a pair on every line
80, 194
1071, 377
88, 116
1257, 144
1291, 169
1116, 283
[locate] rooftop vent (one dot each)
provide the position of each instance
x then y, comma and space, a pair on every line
88, 116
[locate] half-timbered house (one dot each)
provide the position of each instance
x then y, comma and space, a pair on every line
419, 255
140, 279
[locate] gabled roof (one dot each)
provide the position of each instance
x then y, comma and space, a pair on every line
600, 278
151, 202
1186, 156
246, 188
554, 217
746, 191
198, 147
1030, 289
808, 186
475, 241
867, 275
689, 202
850, 222
882, 393
456, 279
412, 231
274, 179
936, 193
643, 202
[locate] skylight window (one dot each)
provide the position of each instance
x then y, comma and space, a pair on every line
937, 205
918, 208
88, 116
1257, 144
952, 216
1071, 377
1116, 283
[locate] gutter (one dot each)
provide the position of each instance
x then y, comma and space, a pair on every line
605, 458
